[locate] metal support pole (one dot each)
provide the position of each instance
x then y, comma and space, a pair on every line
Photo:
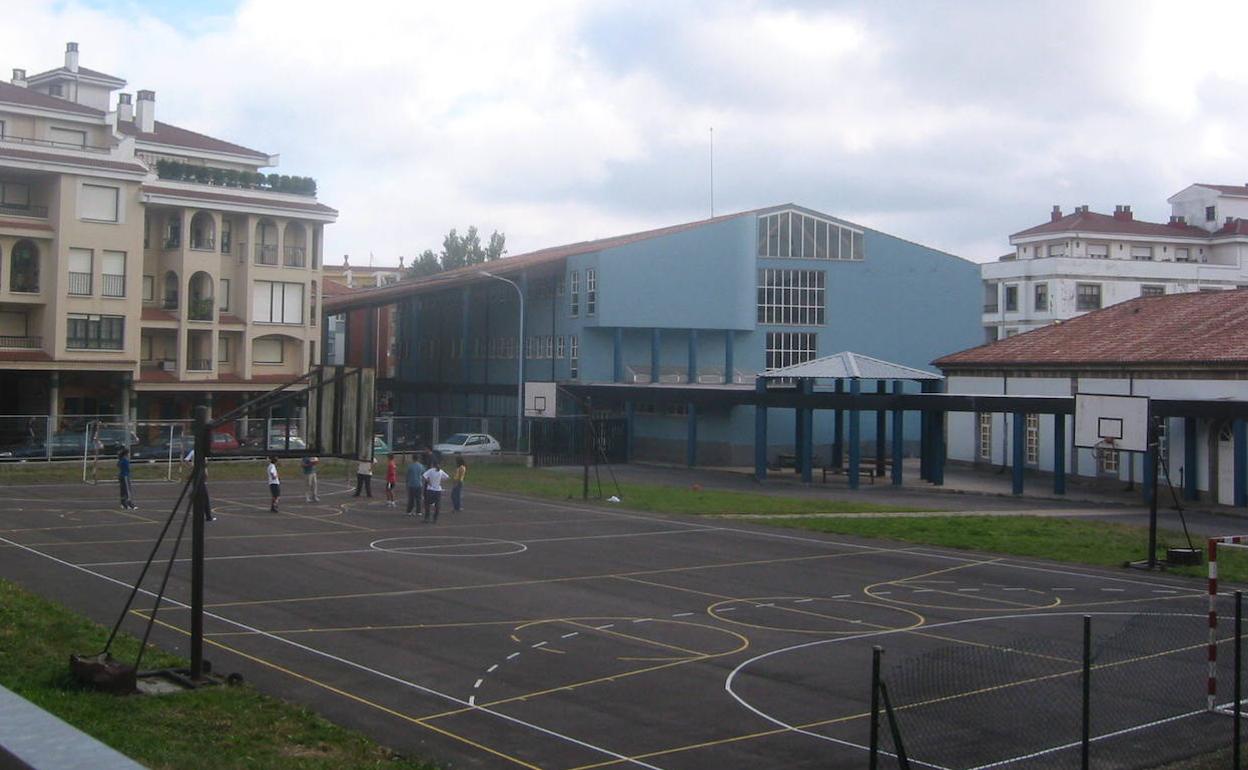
838, 432
1152, 496
874, 760
1239, 671
1020, 439
760, 433
586, 448
199, 512
1059, 454
881, 427
1085, 743
1189, 459
1240, 452
855, 439
899, 436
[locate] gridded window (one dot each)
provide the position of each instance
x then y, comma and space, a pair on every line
275, 302
574, 294
591, 291
95, 332
1011, 298
1031, 434
789, 348
574, 357
791, 297
1163, 440
1042, 296
1142, 253
1107, 461
1098, 251
985, 436
559, 347
1149, 290
793, 235
1087, 296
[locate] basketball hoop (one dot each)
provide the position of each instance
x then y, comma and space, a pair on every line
1104, 447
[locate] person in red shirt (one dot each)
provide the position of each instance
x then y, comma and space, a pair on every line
392, 478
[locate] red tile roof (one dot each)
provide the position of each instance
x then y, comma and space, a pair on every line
209, 195
164, 133
77, 160
332, 288
27, 97
1236, 190
1092, 222
155, 374
156, 314
1195, 328
1233, 227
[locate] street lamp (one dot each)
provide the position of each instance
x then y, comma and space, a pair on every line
519, 355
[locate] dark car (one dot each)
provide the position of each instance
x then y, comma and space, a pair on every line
63, 445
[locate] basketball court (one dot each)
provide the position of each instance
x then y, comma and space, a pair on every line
521, 633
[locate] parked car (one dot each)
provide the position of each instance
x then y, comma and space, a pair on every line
468, 443
380, 447
224, 442
277, 443
63, 445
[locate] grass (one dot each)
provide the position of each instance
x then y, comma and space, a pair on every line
656, 498
215, 727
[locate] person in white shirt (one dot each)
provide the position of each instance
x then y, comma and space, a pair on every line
364, 477
433, 490
275, 484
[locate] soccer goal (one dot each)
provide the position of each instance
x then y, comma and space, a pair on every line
156, 448
1225, 545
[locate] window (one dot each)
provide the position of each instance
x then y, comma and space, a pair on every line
1163, 440
1011, 298
574, 357
173, 231
1057, 250
80, 272
559, 286
788, 348
1142, 253
225, 295
24, 267
1148, 290
277, 302
223, 349
791, 297
1042, 297
98, 203
574, 294
313, 296
591, 291
145, 348
791, 234
1087, 296
227, 235
1106, 461
559, 347
267, 350
113, 273
68, 136
94, 332
1031, 441
1098, 251
985, 436
149, 288
1211, 213
1182, 255
15, 197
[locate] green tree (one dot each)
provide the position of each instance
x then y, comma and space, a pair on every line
425, 264
497, 248
459, 251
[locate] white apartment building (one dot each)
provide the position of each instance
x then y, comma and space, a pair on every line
144, 267
1085, 261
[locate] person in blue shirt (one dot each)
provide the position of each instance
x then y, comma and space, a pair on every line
415, 485
123, 479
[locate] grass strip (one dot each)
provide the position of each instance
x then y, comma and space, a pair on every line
657, 498
215, 728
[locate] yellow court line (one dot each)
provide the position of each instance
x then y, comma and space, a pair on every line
395, 627
1013, 606
641, 639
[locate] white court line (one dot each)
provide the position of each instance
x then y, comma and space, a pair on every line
348, 663
478, 684
492, 669
513, 655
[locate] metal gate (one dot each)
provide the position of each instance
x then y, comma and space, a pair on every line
560, 441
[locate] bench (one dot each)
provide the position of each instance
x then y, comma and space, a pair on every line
867, 467
790, 461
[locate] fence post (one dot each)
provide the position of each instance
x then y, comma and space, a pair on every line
1087, 691
874, 762
1239, 606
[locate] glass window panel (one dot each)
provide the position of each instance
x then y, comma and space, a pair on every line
292, 309
784, 234
98, 202
847, 243
808, 237
821, 240
262, 295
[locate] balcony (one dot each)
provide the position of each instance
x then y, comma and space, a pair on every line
200, 309
991, 307
206, 243
199, 365
80, 284
51, 143
293, 256
20, 210
113, 285
23, 343
266, 254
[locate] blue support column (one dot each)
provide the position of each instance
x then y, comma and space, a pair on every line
855, 389
881, 428
656, 341
617, 355
925, 436
691, 441
692, 377
630, 417
1059, 454
799, 434
1189, 460
465, 341
1241, 463
808, 435
938, 449
729, 356
760, 434
899, 436
1019, 429
838, 432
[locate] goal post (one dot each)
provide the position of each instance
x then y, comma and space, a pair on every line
156, 449
1227, 542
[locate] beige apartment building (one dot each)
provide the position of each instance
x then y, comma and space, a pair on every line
144, 267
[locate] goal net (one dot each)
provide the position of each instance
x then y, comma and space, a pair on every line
156, 449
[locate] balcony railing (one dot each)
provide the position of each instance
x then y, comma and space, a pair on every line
25, 343
50, 143
170, 303
293, 256
80, 283
991, 307
20, 210
199, 365
172, 243
225, 244
266, 253
25, 282
114, 285
206, 243
200, 309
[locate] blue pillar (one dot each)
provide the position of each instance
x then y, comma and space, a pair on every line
691, 446
464, 342
692, 377
938, 448
838, 432
899, 436
1020, 428
925, 435
1189, 459
799, 434
630, 418
729, 363
617, 356
1059, 454
881, 423
808, 434
760, 433
656, 340
855, 388
523, 280
1241, 463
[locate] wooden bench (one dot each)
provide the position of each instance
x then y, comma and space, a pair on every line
790, 461
867, 467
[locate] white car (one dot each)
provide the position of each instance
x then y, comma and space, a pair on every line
468, 443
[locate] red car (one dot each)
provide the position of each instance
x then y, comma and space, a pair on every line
224, 442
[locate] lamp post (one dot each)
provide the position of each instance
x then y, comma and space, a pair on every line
519, 355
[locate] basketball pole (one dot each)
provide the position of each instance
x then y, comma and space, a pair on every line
1154, 446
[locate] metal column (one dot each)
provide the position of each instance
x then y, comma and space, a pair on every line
656, 341
881, 423
1190, 475
1016, 465
1059, 454
855, 388
1241, 463
760, 434
899, 424
838, 432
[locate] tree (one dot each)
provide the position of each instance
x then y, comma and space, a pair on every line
425, 264
497, 248
459, 251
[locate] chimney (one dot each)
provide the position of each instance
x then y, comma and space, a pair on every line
1081, 209
125, 108
1122, 213
146, 112
1055, 214
19, 77
71, 57
1178, 221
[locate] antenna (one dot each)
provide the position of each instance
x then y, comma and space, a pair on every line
712, 131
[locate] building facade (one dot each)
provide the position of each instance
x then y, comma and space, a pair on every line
144, 267
712, 303
1083, 261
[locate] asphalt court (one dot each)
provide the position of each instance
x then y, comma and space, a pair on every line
523, 633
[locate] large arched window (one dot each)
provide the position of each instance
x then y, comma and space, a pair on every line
266, 242
203, 231
295, 245
201, 304
171, 290
24, 267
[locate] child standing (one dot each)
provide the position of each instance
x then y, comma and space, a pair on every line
123, 479
275, 484
457, 487
309, 464
415, 485
364, 477
392, 478
433, 490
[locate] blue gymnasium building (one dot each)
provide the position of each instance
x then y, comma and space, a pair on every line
710, 303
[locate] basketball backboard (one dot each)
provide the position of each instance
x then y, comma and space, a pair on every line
1121, 420
540, 399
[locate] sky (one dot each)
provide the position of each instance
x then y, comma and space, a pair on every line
952, 123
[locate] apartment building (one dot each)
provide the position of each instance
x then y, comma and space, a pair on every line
144, 267
1083, 261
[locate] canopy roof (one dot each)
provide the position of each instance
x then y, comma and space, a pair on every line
851, 366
